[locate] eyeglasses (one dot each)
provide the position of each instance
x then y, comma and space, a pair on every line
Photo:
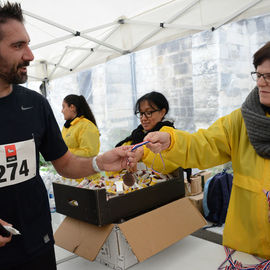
257, 75
146, 114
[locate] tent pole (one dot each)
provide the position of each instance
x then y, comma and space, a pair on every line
91, 50
43, 87
79, 48
53, 41
48, 63
49, 22
64, 53
44, 44
103, 44
237, 13
166, 25
74, 32
133, 84
181, 12
45, 69
96, 48
69, 47
59, 66
99, 27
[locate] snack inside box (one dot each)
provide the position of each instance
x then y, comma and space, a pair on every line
95, 207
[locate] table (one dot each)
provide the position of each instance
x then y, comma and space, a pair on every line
190, 253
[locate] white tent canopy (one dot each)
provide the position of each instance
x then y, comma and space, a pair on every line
68, 36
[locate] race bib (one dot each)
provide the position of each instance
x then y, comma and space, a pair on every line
17, 162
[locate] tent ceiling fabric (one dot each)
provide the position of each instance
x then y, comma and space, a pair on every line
69, 36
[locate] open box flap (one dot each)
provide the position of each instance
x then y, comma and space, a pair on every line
81, 238
156, 230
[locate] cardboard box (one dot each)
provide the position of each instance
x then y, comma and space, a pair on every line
197, 182
197, 201
205, 176
194, 187
120, 246
92, 205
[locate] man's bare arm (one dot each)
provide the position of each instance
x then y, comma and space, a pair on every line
72, 166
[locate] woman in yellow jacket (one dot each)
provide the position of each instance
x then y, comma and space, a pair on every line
244, 138
80, 131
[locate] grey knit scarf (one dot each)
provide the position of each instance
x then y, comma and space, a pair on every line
257, 124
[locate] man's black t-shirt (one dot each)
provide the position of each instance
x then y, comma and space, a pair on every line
28, 127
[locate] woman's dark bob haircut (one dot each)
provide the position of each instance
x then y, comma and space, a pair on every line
155, 99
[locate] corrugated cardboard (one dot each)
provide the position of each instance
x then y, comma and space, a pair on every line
205, 176
194, 187
197, 182
146, 234
197, 201
78, 237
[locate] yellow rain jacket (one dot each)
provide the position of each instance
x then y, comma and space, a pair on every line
246, 227
82, 139
155, 161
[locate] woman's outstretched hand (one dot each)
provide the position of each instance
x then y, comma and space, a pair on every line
158, 141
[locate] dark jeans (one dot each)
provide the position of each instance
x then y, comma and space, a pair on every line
44, 261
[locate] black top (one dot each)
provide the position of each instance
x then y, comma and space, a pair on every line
265, 108
28, 127
138, 134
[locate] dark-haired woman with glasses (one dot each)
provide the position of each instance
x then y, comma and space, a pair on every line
151, 109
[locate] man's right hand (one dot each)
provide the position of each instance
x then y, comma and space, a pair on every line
4, 240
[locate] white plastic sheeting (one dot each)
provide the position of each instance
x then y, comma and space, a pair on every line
68, 36
203, 76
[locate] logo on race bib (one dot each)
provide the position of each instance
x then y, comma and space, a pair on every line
11, 153
17, 162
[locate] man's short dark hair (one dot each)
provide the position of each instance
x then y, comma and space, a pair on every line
10, 11
261, 55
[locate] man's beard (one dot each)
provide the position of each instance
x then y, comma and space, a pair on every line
14, 76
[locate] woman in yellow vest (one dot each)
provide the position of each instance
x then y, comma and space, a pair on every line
242, 137
80, 131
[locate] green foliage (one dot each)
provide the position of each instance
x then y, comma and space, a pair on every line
220, 168
42, 161
45, 165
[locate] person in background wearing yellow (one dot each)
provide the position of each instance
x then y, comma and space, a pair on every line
242, 137
80, 131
